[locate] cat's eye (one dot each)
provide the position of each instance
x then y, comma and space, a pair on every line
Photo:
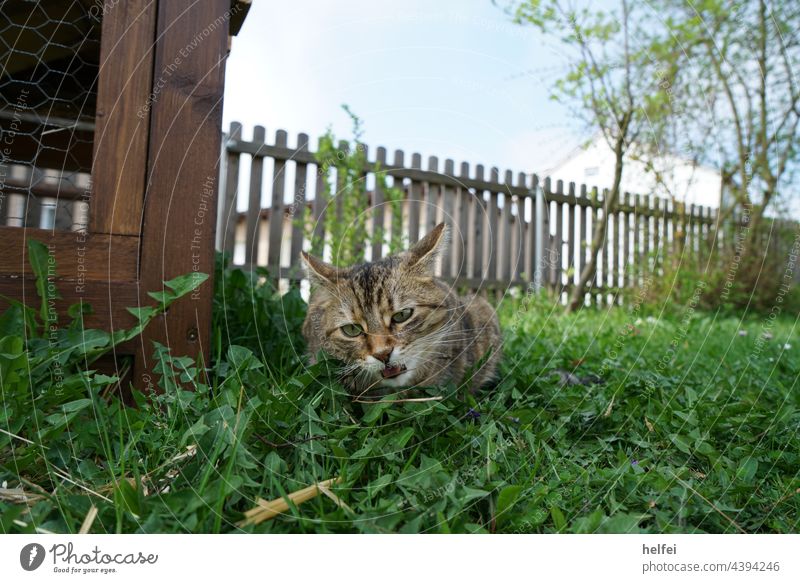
352, 330
402, 316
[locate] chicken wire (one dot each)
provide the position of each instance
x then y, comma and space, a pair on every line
49, 58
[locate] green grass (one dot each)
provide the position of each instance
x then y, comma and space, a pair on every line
693, 429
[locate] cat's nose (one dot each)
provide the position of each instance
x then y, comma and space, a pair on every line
383, 355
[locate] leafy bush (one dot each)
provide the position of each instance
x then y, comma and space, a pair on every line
346, 197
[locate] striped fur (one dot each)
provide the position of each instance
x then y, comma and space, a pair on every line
445, 337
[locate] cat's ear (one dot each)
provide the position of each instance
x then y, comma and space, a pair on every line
320, 272
424, 253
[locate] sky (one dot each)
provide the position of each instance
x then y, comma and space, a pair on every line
454, 79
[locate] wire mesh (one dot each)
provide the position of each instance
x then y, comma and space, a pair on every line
49, 59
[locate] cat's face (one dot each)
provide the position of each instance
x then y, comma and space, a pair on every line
386, 319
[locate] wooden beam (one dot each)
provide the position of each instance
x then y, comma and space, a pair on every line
123, 110
183, 167
78, 256
108, 300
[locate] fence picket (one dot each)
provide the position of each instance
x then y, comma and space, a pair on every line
518, 260
276, 209
462, 245
500, 228
432, 196
526, 231
582, 216
297, 211
448, 205
378, 208
547, 248
479, 218
414, 202
571, 208
230, 215
318, 212
627, 271
505, 234
558, 266
492, 229
253, 221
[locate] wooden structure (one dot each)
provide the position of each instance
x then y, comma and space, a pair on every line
111, 118
507, 229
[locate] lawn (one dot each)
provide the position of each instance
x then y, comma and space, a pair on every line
630, 419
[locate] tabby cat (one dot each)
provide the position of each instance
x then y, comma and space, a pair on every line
394, 324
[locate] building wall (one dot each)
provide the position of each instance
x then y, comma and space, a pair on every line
594, 166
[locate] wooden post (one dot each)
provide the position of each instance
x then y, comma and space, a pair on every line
183, 165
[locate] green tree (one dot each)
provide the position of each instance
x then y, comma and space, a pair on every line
736, 78
611, 85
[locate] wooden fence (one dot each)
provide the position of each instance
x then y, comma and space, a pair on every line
507, 229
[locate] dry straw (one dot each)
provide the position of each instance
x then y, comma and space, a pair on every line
267, 510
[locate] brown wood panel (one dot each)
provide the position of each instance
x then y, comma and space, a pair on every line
77, 255
124, 102
183, 166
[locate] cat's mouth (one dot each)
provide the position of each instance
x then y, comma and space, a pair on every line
393, 370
